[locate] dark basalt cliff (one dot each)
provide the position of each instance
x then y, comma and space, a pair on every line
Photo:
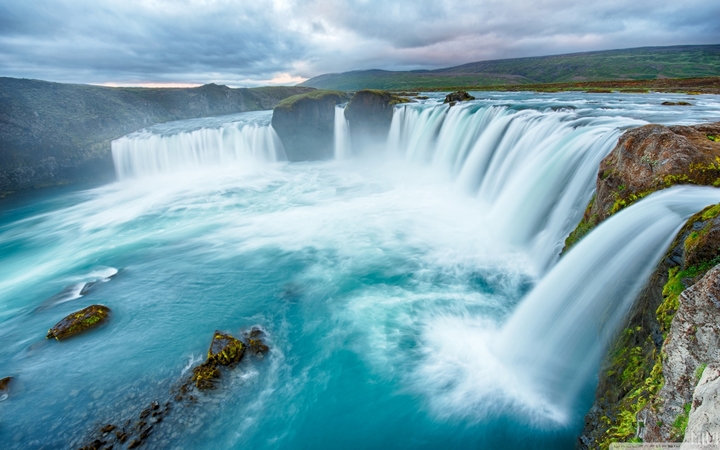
369, 114
305, 124
648, 378
53, 134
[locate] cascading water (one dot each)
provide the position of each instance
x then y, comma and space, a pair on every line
412, 299
240, 139
558, 333
341, 135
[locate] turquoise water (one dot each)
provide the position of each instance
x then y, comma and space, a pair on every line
382, 286
356, 280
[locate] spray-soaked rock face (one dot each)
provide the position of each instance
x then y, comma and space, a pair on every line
369, 114
648, 159
305, 124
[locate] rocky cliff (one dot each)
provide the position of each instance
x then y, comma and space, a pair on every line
369, 114
52, 133
305, 124
649, 376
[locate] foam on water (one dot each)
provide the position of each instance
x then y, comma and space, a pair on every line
411, 300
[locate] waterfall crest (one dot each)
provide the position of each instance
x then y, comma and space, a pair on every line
240, 139
534, 170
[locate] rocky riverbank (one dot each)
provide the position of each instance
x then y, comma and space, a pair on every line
53, 134
650, 374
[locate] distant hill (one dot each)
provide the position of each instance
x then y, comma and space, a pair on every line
53, 133
685, 61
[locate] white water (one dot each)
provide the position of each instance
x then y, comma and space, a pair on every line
529, 173
242, 140
341, 135
533, 170
557, 335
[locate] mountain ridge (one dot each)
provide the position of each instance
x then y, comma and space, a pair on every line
641, 63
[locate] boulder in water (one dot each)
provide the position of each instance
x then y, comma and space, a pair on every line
225, 350
254, 341
458, 96
79, 321
5, 384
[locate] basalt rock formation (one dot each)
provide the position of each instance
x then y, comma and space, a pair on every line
648, 159
649, 375
53, 134
369, 114
305, 124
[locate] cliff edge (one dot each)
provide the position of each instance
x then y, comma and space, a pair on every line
649, 376
53, 134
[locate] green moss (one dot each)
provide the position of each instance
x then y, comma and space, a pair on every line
319, 95
623, 201
714, 138
699, 371
205, 375
640, 380
583, 227
711, 213
680, 425
78, 322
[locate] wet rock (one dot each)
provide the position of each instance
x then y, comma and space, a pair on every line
704, 420
255, 343
676, 104
648, 159
305, 124
458, 96
79, 321
107, 428
369, 114
225, 350
5, 384
205, 375
691, 343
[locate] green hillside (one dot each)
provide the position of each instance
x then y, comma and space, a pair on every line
688, 61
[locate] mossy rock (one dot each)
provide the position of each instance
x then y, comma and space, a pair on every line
79, 321
225, 350
205, 375
458, 96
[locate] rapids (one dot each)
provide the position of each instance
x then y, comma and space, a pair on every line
413, 296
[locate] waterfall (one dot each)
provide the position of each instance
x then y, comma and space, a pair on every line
534, 170
240, 139
558, 333
341, 134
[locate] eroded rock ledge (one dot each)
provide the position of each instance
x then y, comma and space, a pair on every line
649, 376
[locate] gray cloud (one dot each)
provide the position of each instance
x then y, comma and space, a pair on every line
247, 43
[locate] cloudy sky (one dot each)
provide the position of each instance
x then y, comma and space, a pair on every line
256, 42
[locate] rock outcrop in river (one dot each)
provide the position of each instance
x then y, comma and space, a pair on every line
305, 124
369, 114
53, 134
650, 373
